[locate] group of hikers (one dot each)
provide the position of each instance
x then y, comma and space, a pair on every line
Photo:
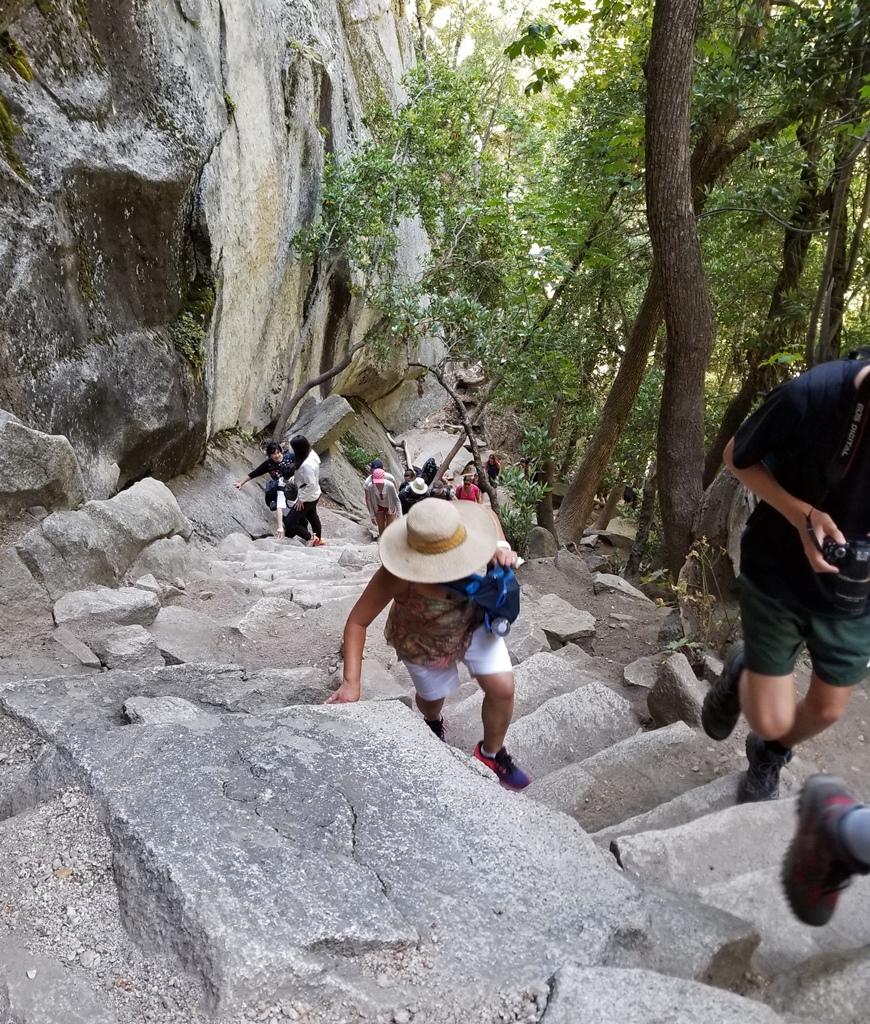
387, 501
805, 581
293, 490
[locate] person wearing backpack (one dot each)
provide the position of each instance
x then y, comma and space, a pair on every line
429, 471
805, 578
433, 628
440, 490
416, 491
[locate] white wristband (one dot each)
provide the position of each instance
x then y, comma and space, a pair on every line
503, 544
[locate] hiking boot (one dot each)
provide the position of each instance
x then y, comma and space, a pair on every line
316, 542
817, 868
761, 781
437, 728
509, 774
721, 707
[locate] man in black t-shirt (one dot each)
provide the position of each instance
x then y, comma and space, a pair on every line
787, 453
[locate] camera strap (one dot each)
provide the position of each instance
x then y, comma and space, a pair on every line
853, 432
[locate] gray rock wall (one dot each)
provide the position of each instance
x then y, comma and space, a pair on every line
171, 149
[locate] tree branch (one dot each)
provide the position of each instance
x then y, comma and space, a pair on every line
322, 378
438, 373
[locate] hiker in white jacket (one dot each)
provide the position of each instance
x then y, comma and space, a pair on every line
307, 480
382, 499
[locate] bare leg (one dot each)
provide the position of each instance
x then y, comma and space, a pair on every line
430, 709
769, 705
498, 708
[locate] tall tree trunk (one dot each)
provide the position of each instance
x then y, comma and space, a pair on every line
568, 456
577, 503
608, 511
677, 251
818, 339
827, 308
483, 478
780, 329
544, 511
644, 525
713, 155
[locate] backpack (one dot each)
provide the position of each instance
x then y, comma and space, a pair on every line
497, 593
430, 468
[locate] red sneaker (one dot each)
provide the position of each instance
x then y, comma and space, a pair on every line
510, 775
316, 542
817, 868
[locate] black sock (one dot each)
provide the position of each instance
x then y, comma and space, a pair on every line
775, 747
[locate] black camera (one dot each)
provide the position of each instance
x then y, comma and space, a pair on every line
853, 582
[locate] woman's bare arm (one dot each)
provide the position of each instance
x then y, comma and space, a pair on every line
381, 589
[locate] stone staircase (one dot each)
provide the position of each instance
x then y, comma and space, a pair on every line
252, 854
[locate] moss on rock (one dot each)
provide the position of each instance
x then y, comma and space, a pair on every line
191, 325
14, 62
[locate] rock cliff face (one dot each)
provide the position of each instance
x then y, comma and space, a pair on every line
169, 151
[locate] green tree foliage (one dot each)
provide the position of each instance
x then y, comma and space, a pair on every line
521, 150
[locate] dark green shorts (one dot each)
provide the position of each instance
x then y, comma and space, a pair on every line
774, 633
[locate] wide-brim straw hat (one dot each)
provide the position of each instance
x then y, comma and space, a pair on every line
439, 541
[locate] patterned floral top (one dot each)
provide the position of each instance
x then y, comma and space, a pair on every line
431, 631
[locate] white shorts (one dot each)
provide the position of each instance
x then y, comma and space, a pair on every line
486, 655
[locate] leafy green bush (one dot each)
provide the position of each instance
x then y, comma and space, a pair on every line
518, 517
358, 456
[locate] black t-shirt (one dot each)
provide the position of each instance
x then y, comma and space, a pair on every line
286, 465
796, 433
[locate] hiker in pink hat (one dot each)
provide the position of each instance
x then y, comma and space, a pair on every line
382, 500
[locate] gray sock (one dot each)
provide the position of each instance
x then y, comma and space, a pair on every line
854, 832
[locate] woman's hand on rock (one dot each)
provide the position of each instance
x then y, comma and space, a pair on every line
347, 693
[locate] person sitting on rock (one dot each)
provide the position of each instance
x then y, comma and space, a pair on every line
382, 500
277, 460
432, 628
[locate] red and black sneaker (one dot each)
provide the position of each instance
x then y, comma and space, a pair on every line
509, 774
817, 868
437, 727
